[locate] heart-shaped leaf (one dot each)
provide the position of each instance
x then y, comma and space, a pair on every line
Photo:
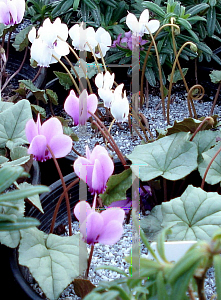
21, 39
8, 175
52, 260
214, 173
64, 79
151, 224
195, 215
117, 186
12, 124
172, 157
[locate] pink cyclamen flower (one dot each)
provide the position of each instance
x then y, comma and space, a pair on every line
95, 169
104, 228
78, 108
11, 11
49, 133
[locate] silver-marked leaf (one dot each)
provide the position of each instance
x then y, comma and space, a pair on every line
214, 173
18, 152
52, 260
205, 140
3, 159
5, 105
172, 157
8, 175
17, 162
12, 124
195, 215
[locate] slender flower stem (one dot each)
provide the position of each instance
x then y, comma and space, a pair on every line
89, 261
69, 73
108, 136
16, 72
8, 45
64, 188
160, 72
102, 58
109, 129
59, 203
37, 74
208, 167
207, 119
146, 58
95, 58
215, 99
171, 81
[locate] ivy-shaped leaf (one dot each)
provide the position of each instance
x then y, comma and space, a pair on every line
64, 79
21, 38
52, 260
173, 157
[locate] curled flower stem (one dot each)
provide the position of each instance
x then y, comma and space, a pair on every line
69, 73
64, 188
208, 167
59, 203
146, 58
171, 82
89, 261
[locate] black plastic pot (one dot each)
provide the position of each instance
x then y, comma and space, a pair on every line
49, 201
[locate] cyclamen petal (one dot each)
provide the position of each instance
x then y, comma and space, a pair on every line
56, 142
111, 233
91, 228
82, 210
38, 148
71, 106
31, 130
51, 128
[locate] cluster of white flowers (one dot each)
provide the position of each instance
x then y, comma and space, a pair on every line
116, 100
49, 42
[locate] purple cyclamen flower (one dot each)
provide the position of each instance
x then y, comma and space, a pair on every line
104, 228
130, 40
78, 108
49, 133
11, 11
95, 169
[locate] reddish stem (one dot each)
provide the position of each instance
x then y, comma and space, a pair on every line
208, 167
89, 261
64, 188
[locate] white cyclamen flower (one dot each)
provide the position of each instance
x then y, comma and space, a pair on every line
139, 27
49, 42
104, 40
80, 37
120, 105
105, 84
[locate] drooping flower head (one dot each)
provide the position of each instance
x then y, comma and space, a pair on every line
78, 108
120, 105
11, 11
49, 42
95, 169
104, 228
104, 40
81, 36
104, 84
139, 27
49, 133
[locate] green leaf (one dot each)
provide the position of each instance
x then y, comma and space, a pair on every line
149, 74
64, 79
193, 216
8, 175
3, 159
17, 162
172, 157
197, 8
18, 152
20, 223
151, 224
5, 29
53, 97
38, 110
5, 105
35, 199
9, 238
68, 131
39, 94
76, 4
12, 124
24, 193
117, 186
204, 140
217, 267
214, 173
52, 260
211, 20
154, 8
177, 76
21, 38
215, 76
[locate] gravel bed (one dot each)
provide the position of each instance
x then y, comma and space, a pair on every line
114, 255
